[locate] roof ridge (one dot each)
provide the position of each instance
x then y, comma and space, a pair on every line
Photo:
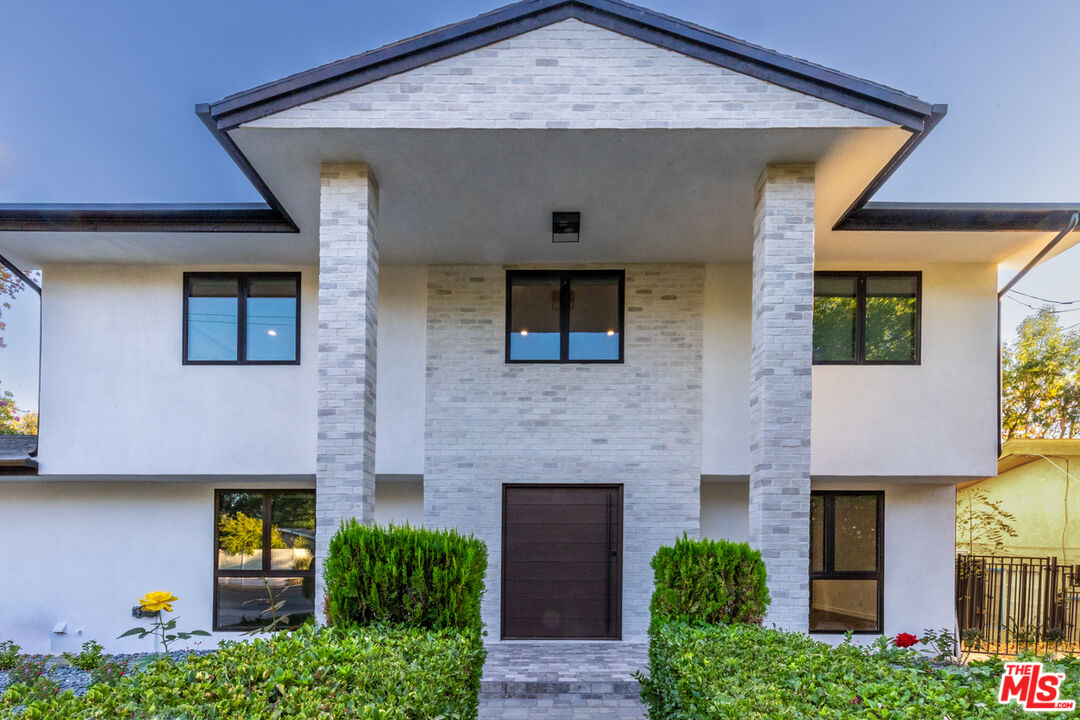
690, 39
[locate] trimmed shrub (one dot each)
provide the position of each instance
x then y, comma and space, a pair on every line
370, 673
404, 576
739, 671
705, 582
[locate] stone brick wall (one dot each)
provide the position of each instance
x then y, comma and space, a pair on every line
348, 295
780, 386
570, 75
639, 423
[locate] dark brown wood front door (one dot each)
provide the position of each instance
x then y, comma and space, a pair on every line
562, 561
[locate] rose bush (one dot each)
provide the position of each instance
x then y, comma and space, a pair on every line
905, 640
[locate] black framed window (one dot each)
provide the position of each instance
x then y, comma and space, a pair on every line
867, 318
847, 555
264, 544
241, 318
567, 316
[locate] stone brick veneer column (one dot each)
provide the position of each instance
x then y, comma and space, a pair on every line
348, 291
780, 386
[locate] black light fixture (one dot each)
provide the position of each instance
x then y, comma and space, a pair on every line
565, 227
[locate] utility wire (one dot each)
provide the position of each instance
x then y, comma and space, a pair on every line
1042, 299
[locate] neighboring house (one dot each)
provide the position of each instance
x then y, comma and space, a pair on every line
1036, 484
572, 276
17, 454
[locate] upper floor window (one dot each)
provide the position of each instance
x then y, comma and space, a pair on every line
570, 316
870, 318
242, 318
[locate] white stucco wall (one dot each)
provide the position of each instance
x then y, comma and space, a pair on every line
400, 372
725, 382
84, 553
919, 529
399, 502
725, 510
934, 419
920, 522
117, 400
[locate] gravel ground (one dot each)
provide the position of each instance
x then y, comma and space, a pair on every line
70, 678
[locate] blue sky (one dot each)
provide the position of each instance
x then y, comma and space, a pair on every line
97, 98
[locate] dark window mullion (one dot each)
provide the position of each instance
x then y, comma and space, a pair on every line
829, 528
860, 318
267, 534
564, 317
242, 282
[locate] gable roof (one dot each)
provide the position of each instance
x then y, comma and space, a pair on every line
661, 30
640, 23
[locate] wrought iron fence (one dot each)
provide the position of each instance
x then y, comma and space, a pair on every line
1017, 604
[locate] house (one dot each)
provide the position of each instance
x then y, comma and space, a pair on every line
1033, 484
15, 454
572, 276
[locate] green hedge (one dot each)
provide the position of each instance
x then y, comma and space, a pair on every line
748, 672
325, 674
401, 575
708, 582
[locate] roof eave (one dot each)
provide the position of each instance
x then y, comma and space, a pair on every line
961, 217
187, 218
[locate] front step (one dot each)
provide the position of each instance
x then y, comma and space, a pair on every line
562, 680
588, 689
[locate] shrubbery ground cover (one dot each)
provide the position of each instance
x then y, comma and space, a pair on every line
405, 643
746, 671
710, 659
320, 674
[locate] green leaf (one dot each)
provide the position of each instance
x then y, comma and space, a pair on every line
141, 632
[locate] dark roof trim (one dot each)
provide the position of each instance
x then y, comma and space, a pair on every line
631, 20
213, 217
945, 217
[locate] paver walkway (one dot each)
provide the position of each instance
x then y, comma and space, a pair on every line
562, 680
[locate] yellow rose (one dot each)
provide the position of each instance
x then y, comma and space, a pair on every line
157, 601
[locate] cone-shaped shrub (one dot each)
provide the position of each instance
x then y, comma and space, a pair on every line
406, 576
709, 582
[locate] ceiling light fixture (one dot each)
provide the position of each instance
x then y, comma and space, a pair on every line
565, 227
272, 332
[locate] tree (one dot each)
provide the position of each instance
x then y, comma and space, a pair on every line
10, 286
14, 421
241, 534
1040, 380
982, 524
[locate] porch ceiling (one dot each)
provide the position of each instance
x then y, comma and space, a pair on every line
486, 196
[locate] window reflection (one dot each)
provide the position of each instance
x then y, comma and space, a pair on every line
250, 577
534, 319
845, 572
594, 318
271, 319
834, 318
212, 317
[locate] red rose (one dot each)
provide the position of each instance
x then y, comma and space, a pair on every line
905, 640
